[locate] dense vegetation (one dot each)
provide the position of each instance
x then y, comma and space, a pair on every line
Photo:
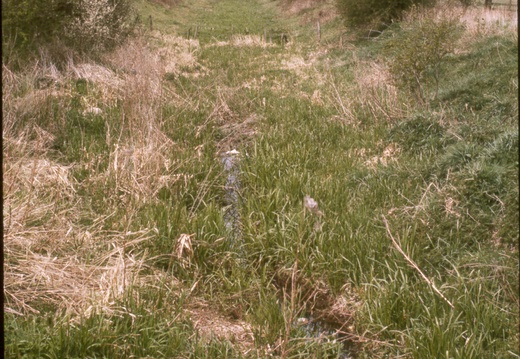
86, 26
374, 192
376, 12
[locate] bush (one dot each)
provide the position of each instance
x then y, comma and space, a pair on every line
28, 21
375, 12
99, 24
417, 49
85, 25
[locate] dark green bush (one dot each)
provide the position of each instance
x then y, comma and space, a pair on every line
84, 25
375, 12
416, 50
29, 21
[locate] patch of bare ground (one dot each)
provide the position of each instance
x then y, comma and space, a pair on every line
212, 324
244, 41
316, 299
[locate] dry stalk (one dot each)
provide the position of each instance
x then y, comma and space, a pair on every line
387, 105
355, 338
345, 109
289, 321
414, 265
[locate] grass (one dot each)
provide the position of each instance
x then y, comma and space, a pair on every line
115, 239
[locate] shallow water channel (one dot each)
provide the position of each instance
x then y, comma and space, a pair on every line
230, 160
314, 329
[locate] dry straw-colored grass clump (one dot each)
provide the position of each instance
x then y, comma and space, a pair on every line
211, 324
45, 248
477, 21
376, 93
481, 22
371, 93
65, 281
178, 55
48, 254
245, 41
54, 258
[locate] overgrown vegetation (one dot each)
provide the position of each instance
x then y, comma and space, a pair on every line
86, 26
372, 219
415, 51
376, 13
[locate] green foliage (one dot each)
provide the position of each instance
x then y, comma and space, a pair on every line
145, 330
99, 24
375, 12
86, 25
416, 51
418, 133
25, 21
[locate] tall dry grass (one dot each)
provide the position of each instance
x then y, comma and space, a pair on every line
481, 22
370, 94
373, 92
48, 247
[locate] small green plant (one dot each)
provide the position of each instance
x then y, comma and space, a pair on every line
416, 51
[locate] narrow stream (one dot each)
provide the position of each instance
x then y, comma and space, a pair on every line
231, 159
317, 329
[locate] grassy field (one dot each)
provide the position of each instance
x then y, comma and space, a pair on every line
372, 222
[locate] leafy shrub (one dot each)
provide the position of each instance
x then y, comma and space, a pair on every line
375, 12
26, 21
417, 49
85, 25
99, 24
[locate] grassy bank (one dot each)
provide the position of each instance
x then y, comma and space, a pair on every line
116, 242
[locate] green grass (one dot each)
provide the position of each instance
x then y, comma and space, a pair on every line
445, 176
134, 332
